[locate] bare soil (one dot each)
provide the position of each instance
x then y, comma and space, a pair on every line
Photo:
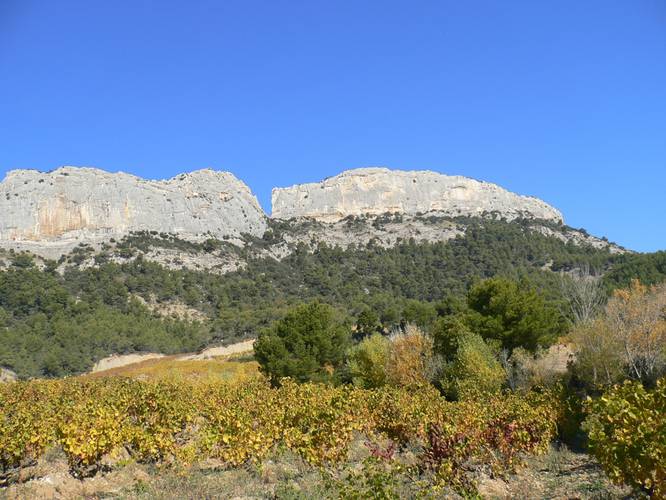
560, 474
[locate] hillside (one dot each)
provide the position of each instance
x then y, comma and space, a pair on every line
411, 339
193, 268
62, 317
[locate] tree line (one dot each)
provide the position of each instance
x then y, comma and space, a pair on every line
54, 324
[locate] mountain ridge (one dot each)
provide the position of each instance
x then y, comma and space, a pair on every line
377, 190
70, 205
50, 213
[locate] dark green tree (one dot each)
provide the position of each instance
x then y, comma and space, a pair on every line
649, 268
367, 323
512, 313
309, 343
419, 313
447, 334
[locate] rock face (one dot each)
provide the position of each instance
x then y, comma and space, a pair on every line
7, 375
374, 191
50, 213
71, 204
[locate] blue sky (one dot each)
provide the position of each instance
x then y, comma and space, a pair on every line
564, 100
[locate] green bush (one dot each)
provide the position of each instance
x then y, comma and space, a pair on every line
474, 369
447, 334
367, 361
627, 434
471, 366
599, 360
309, 343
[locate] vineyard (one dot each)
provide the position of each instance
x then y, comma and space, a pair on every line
627, 432
168, 423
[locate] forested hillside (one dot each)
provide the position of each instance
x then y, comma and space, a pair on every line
57, 320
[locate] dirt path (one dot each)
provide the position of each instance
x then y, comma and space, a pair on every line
213, 352
558, 475
118, 361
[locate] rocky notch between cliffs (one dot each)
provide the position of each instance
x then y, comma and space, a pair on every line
375, 191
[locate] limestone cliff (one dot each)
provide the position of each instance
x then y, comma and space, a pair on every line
374, 191
71, 205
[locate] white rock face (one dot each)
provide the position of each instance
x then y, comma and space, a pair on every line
71, 204
7, 375
374, 191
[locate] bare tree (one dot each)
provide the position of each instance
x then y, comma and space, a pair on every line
637, 317
584, 294
598, 353
628, 339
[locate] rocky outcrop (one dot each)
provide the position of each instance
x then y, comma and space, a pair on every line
578, 237
51, 213
374, 191
71, 205
359, 231
7, 375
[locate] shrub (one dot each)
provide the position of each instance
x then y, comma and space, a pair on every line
544, 368
411, 359
368, 361
627, 434
92, 429
375, 478
599, 359
494, 431
447, 335
27, 414
404, 359
474, 370
367, 323
309, 343
419, 313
